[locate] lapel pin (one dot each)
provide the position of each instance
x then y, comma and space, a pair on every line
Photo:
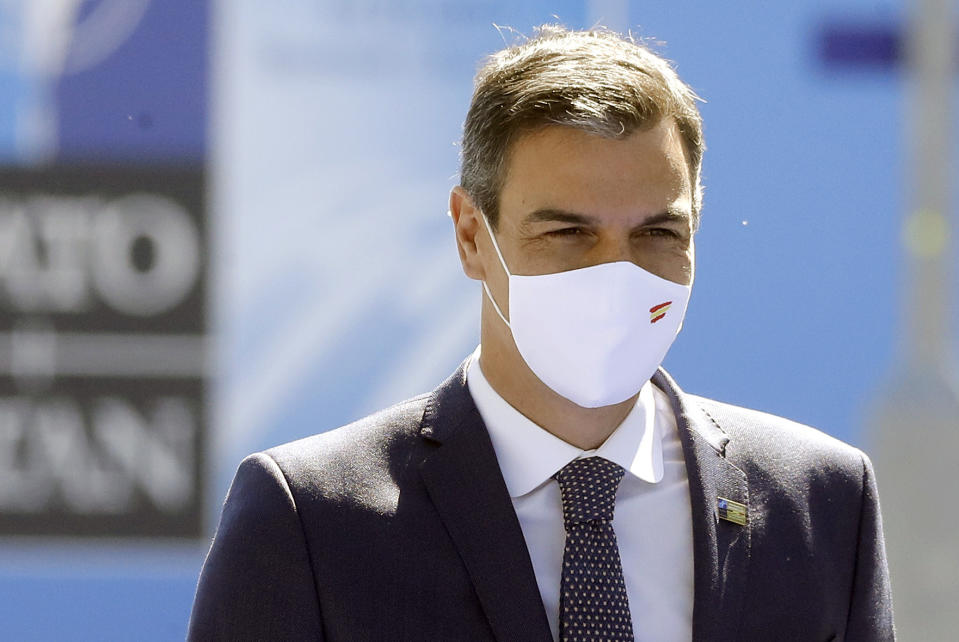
731, 511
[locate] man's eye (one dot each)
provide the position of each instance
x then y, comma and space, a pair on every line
662, 231
566, 231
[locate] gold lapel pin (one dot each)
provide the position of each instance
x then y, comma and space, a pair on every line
731, 511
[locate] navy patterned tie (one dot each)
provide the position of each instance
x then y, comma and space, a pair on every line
593, 603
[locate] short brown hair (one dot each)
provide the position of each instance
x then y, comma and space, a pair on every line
596, 81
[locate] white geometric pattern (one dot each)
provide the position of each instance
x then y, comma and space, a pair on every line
593, 601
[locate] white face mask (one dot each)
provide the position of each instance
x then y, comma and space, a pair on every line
594, 335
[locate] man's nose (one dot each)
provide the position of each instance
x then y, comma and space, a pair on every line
612, 248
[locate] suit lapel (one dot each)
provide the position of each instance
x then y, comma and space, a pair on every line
720, 547
464, 481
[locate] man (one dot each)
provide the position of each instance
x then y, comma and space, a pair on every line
559, 485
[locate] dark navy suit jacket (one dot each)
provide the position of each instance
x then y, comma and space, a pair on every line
400, 527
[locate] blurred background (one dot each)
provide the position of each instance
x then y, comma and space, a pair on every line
223, 226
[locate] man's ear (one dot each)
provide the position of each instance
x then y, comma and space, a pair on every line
467, 224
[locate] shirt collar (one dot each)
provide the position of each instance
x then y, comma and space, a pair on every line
636, 444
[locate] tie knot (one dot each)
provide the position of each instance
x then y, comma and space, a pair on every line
588, 487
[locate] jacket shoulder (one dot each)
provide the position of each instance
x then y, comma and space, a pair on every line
782, 445
356, 463
398, 422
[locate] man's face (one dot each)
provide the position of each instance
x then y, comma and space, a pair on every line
573, 199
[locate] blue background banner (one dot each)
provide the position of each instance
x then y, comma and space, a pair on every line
329, 131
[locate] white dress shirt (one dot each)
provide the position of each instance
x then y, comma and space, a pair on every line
652, 519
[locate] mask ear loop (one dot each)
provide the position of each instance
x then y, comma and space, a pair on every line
505, 269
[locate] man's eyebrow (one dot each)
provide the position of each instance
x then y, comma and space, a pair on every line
550, 214
669, 216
